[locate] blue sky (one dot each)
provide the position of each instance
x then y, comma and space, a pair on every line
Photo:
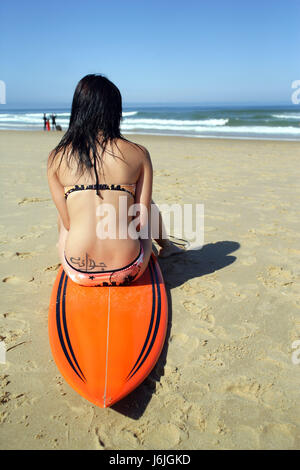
194, 51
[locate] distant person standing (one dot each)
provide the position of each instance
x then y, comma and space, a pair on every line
48, 124
45, 121
53, 118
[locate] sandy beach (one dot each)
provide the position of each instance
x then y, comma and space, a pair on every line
225, 379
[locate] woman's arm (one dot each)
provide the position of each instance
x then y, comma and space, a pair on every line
57, 192
143, 196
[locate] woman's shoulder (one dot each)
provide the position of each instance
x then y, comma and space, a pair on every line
52, 161
140, 149
56, 159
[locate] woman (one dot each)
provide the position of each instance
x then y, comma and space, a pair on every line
92, 166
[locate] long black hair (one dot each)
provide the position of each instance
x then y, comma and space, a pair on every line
96, 111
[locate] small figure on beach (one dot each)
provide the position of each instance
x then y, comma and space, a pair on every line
48, 124
45, 121
53, 119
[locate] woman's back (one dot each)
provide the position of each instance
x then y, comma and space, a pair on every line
121, 168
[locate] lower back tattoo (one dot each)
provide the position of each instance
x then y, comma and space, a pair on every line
87, 263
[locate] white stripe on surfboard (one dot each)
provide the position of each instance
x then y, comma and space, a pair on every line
107, 341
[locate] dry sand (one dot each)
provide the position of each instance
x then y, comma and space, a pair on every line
225, 379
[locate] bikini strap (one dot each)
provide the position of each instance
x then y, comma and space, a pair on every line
129, 188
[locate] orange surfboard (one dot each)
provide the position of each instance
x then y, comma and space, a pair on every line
106, 340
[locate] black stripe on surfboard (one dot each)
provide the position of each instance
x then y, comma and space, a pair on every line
58, 323
157, 323
66, 327
151, 320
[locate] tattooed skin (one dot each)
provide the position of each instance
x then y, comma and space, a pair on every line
87, 263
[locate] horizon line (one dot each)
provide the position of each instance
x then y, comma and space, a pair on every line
154, 103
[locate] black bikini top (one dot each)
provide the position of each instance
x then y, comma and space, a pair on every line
128, 188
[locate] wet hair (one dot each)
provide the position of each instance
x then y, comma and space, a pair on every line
96, 111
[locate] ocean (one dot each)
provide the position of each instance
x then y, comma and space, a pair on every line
240, 122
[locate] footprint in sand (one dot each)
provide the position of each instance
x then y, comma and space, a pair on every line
54, 267
61, 385
16, 280
199, 310
27, 235
17, 254
30, 366
250, 389
8, 314
4, 381
126, 438
182, 346
209, 289
196, 417
12, 279
276, 276
22, 399
181, 339
200, 313
207, 319
3, 416
278, 436
11, 337
191, 307
13, 316
164, 436
101, 438
233, 293
27, 200
4, 398
24, 255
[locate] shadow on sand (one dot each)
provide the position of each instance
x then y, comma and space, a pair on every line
176, 271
